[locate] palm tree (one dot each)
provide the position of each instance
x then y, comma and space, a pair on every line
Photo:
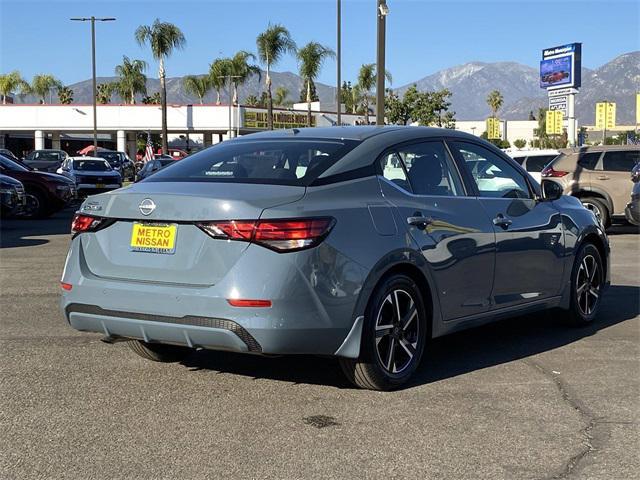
42, 84
310, 58
163, 38
132, 79
241, 70
495, 101
217, 70
10, 83
197, 85
65, 95
280, 98
272, 44
366, 82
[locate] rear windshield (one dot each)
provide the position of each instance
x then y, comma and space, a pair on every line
95, 165
111, 157
53, 156
282, 162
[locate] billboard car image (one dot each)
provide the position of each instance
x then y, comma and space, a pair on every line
556, 71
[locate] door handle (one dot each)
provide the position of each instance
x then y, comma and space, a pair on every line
417, 220
603, 177
502, 221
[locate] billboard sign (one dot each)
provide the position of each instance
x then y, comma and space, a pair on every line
493, 128
561, 66
559, 103
605, 115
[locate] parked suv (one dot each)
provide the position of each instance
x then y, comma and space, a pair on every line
46, 192
533, 161
45, 160
598, 176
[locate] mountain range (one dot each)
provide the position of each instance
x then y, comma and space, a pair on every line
618, 80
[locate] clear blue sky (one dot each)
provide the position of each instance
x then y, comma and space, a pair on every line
423, 36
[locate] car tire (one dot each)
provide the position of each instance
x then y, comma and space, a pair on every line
392, 345
159, 352
37, 202
599, 209
587, 282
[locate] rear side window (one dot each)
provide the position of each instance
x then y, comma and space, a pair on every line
622, 161
519, 159
430, 169
589, 160
280, 162
536, 164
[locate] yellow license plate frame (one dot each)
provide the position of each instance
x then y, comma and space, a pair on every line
153, 237
100, 185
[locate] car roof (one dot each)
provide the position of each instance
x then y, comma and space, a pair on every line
531, 153
360, 133
88, 158
599, 148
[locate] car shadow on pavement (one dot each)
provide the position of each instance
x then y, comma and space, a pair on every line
446, 357
16, 232
623, 229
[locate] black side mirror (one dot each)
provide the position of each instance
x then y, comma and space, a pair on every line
550, 190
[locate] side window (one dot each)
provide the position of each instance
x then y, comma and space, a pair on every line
430, 169
622, 161
393, 170
589, 160
519, 159
493, 175
536, 164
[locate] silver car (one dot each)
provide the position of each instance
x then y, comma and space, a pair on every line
355, 242
91, 174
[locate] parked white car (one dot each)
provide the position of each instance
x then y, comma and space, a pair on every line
533, 161
91, 174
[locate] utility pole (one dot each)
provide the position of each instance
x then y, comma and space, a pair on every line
93, 69
381, 13
338, 63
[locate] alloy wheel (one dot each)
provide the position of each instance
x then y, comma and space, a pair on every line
397, 331
588, 283
595, 209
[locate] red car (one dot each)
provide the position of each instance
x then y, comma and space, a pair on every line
47, 193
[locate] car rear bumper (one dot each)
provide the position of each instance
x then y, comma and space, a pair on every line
303, 318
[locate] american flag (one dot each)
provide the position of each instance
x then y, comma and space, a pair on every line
148, 151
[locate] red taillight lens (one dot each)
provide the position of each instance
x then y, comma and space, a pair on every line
66, 286
549, 172
282, 235
84, 223
236, 302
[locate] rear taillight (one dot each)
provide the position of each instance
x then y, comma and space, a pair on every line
281, 235
549, 172
85, 223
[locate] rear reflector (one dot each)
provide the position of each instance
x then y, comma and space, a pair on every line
235, 302
66, 286
549, 172
281, 235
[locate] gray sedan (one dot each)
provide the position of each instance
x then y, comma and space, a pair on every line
355, 242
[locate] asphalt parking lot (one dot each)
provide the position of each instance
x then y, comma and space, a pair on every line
524, 398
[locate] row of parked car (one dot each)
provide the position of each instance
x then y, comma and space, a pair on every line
45, 181
604, 178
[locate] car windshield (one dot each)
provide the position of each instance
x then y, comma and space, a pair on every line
52, 156
94, 165
277, 161
10, 165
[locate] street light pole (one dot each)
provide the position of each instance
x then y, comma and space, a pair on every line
381, 13
93, 20
338, 62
